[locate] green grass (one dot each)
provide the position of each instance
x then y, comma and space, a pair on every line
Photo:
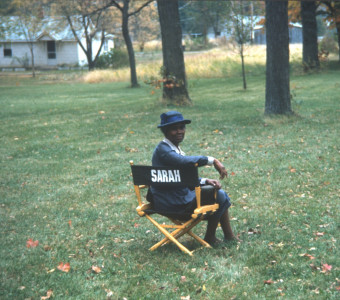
65, 149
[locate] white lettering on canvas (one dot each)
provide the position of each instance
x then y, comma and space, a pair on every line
165, 176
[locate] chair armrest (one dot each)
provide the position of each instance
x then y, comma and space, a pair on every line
205, 209
140, 209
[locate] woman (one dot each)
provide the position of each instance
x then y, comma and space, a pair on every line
183, 200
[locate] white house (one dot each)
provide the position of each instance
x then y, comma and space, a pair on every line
51, 50
295, 34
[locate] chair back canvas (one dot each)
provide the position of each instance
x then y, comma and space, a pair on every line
165, 176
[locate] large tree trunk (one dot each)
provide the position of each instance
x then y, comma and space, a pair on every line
175, 85
277, 66
128, 43
338, 32
310, 39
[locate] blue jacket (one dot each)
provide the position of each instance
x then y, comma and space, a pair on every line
173, 199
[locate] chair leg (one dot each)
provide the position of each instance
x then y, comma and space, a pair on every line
175, 233
188, 226
169, 236
196, 237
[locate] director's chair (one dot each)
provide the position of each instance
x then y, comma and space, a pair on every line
146, 176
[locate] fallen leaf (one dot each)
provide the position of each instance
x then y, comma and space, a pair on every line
102, 112
314, 267
307, 255
70, 223
232, 173
47, 248
48, 295
253, 231
32, 244
319, 233
326, 268
109, 293
268, 281
51, 271
96, 269
64, 267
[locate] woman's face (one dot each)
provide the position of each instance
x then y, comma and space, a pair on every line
175, 133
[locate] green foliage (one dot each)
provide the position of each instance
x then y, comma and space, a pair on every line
116, 58
65, 151
328, 44
197, 44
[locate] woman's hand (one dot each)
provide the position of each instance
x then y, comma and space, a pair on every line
215, 183
220, 168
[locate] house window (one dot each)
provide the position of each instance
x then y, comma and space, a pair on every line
106, 45
7, 50
51, 50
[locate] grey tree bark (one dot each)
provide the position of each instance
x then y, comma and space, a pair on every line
277, 66
175, 83
310, 50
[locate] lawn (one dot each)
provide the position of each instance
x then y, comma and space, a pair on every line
66, 194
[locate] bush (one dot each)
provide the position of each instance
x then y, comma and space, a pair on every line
328, 44
197, 44
115, 59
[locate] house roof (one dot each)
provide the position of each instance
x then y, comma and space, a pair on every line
48, 31
297, 25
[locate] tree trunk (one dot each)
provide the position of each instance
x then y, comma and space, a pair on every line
338, 32
277, 66
175, 85
128, 43
243, 68
32, 60
310, 39
88, 53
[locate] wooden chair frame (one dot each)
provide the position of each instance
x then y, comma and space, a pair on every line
178, 227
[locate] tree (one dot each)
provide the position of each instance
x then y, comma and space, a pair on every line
305, 12
28, 21
6, 9
145, 26
85, 21
309, 31
332, 16
126, 14
199, 16
175, 83
277, 66
241, 32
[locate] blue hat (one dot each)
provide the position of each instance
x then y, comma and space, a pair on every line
172, 117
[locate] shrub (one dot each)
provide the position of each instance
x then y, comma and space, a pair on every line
328, 44
114, 59
197, 44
